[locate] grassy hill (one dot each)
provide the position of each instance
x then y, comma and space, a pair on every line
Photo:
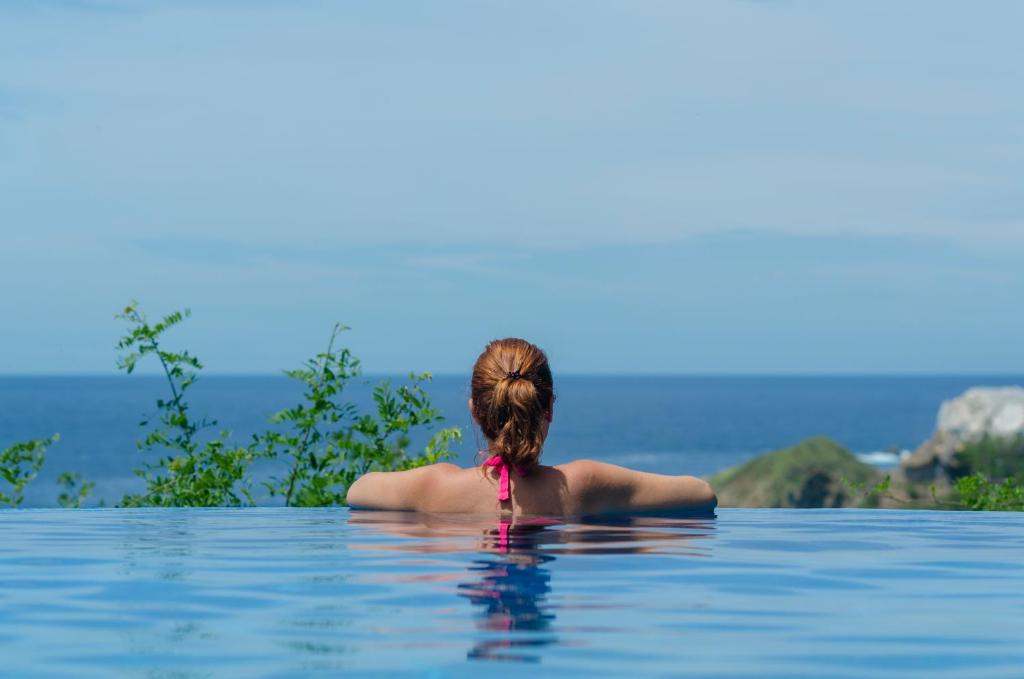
813, 473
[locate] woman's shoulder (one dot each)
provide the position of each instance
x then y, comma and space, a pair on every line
602, 486
401, 490
587, 471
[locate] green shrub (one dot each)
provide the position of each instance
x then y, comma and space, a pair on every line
19, 465
993, 457
75, 490
327, 443
186, 473
987, 471
978, 492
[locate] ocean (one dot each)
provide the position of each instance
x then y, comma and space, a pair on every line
691, 425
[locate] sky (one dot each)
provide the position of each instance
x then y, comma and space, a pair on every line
713, 187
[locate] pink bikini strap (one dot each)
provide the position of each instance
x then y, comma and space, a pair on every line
503, 525
496, 461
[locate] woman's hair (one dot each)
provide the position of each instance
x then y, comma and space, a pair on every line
512, 394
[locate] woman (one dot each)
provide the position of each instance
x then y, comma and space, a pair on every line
512, 401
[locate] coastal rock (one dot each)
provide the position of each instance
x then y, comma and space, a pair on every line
983, 411
817, 472
980, 412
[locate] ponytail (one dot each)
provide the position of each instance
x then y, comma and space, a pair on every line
512, 395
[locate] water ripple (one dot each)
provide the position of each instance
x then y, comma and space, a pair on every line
283, 593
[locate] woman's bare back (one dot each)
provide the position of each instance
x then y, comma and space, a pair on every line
572, 489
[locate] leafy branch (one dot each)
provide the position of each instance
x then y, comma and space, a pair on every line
20, 464
75, 490
978, 492
186, 473
329, 444
973, 492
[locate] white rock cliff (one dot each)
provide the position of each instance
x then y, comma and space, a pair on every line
983, 411
978, 412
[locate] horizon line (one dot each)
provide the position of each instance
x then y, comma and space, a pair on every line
465, 375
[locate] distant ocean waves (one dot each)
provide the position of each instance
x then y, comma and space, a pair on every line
884, 459
670, 462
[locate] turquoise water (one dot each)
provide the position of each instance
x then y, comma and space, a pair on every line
285, 592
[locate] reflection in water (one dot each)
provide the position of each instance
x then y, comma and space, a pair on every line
512, 590
511, 580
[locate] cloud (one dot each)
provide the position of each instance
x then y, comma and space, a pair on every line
222, 251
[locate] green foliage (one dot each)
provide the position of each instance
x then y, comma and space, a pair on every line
186, 473
974, 492
75, 490
870, 495
992, 456
19, 465
880, 488
328, 444
978, 492
910, 496
989, 469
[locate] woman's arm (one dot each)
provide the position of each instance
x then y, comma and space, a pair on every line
404, 491
610, 488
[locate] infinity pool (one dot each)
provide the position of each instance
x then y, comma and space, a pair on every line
291, 592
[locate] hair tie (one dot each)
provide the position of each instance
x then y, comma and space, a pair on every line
513, 375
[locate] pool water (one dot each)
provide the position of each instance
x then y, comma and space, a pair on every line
332, 592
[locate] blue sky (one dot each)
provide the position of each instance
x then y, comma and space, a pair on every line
706, 187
